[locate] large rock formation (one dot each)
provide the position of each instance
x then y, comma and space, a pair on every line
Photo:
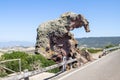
54, 39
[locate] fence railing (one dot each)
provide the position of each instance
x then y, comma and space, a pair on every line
5, 61
26, 75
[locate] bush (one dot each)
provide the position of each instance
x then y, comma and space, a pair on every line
109, 46
14, 64
94, 50
27, 61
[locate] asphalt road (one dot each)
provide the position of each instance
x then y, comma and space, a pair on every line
106, 68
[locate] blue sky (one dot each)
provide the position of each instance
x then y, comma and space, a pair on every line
19, 19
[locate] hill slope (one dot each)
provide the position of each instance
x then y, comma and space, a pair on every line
98, 42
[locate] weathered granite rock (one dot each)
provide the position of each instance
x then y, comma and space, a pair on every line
54, 39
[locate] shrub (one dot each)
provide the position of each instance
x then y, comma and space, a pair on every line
14, 64
94, 50
27, 61
109, 46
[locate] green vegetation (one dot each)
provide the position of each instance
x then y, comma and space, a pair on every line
2, 74
94, 50
27, 61
109, 46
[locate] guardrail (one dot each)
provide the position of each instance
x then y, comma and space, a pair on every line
28, 74
113, 48
106, 51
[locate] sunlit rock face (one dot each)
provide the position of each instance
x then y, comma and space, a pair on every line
54, 39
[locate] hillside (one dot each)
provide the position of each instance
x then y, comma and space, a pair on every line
98, 42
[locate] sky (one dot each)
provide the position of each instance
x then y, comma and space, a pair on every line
19, 19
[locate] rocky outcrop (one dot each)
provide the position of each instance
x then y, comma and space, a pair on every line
54, 39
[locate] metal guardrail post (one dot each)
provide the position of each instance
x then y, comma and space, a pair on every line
25, 71
71, 64
64, 65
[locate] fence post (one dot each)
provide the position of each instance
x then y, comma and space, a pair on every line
64, 65
26, 78
20, 65
70, 63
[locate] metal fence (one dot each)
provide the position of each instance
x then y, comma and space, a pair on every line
106, 51
112, 48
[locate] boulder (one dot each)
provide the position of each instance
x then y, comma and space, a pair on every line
54, 39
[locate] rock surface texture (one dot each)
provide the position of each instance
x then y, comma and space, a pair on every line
54, 39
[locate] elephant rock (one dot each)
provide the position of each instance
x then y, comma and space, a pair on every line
54, 39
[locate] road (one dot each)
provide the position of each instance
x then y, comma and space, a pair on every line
106, 68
